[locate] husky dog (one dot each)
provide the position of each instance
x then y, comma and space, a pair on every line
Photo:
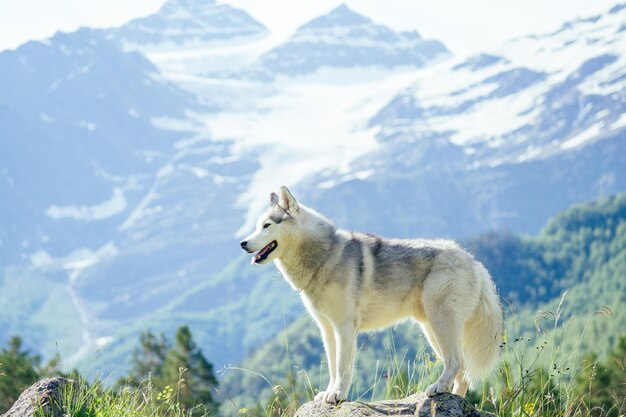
352, 282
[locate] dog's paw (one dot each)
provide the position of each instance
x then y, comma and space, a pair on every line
435, 389
320, 396
329, 396
333, 396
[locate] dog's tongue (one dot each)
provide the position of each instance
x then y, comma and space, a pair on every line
256, 258
260, 255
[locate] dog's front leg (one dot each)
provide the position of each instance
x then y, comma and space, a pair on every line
330, 346
345, 335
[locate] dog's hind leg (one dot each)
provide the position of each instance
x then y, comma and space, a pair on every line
330, 346
460, 383
430, 336
446, 330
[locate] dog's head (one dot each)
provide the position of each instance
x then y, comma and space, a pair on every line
273, 228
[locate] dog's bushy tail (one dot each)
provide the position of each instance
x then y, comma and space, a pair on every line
483, 331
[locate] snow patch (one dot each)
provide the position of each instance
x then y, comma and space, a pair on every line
621, 122
103, 341
87, 125
46, 117
584, 136
175, 125
76, 260
530, 153
109, 208
358, 175
198, 172
278, 127
487, 121
205, 57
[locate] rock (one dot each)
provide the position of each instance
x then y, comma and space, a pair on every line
45, 394
444, 405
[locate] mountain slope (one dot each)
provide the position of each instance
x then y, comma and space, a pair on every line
110, 188
76, 118
230, 313
539, 96
442, 199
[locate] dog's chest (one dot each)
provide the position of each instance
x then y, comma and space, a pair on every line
331, 301
297, 281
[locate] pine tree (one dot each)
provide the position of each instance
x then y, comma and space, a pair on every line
186, 367
53, 368
148, 359
19, 369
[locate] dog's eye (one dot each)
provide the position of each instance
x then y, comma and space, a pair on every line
266, 225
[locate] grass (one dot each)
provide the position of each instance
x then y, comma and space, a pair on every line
80, 399
536, 377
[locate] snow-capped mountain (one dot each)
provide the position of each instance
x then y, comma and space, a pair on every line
108, 191
189, 23
124, 194
194, 36
345, 39
541, 95
77, 137
498, 140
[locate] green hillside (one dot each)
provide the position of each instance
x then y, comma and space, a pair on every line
562, 291
30, 301
226, 330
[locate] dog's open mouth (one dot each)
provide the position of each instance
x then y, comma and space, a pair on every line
265, 252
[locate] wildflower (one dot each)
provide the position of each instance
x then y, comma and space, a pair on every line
529, 407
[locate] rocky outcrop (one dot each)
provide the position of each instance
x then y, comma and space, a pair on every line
444, 405
44, 395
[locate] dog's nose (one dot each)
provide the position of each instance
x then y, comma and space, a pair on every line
243, 244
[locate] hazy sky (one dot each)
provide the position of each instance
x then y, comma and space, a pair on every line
464, 26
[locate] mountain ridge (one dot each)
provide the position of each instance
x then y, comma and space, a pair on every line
181, 23
344, 38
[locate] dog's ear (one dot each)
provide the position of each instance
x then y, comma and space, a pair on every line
287, 201
273, 199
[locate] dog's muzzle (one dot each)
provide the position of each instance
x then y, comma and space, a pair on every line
244, 246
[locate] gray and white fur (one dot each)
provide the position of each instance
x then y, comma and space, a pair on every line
352, 282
